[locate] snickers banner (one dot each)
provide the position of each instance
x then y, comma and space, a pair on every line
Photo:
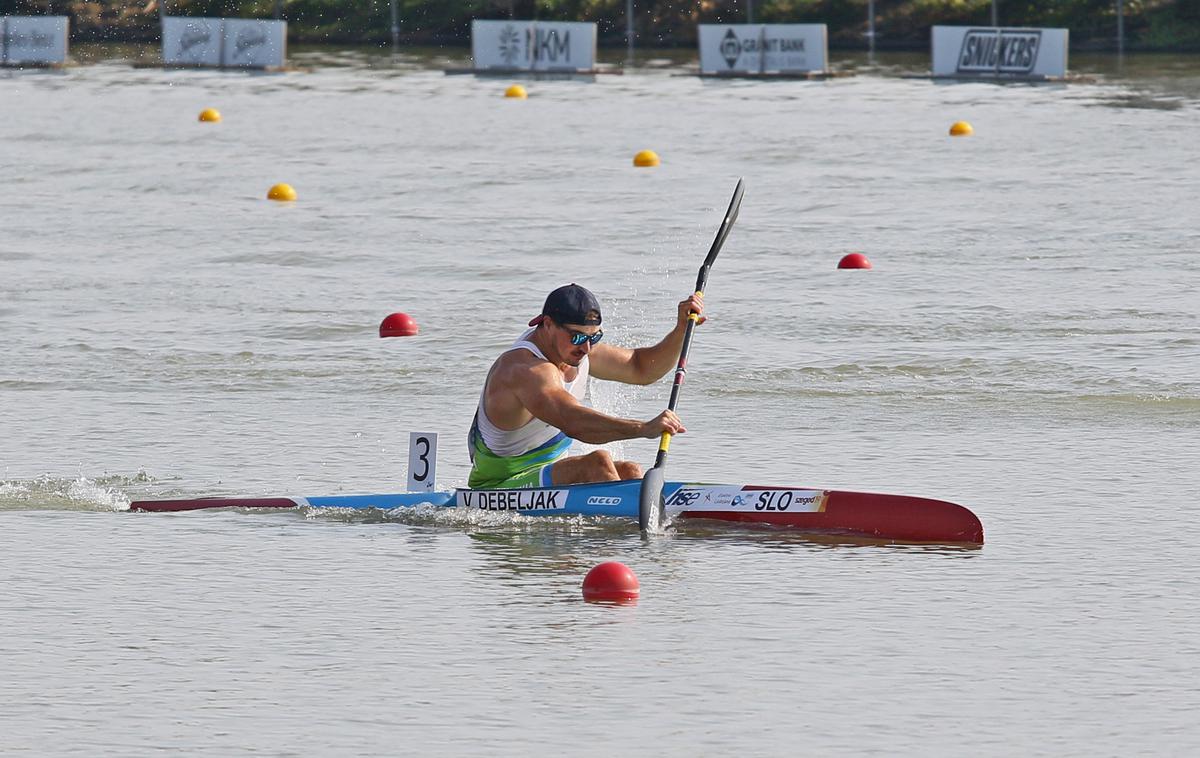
763, 48
986, 51
567, 46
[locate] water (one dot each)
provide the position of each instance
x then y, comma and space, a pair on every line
1026, 345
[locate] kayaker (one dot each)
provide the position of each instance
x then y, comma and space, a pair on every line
530, 409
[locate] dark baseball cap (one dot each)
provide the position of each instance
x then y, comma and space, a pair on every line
570, 304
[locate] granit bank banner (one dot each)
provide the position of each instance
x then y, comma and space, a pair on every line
763, 48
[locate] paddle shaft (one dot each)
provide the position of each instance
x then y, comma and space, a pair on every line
651, 505
664, 443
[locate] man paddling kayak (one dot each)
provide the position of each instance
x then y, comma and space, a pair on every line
530, 411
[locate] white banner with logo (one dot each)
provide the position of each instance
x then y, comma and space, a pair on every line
534, 45
998, 51
230, 42
33, 39
254, 43
189, 41
763, 48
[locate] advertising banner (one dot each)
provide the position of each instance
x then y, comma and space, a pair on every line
763, 48
38, 40
191, 41
254, 43
228, 42
534, 45
989, 51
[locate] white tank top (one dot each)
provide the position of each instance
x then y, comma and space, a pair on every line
507, 443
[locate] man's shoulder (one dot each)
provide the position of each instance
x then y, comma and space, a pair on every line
520, 357
516, 365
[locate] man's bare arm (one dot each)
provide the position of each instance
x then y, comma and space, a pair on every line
645, 365
542, 394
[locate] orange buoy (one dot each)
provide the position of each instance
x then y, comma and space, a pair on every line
854, 260
612, 582
398, 325
281, 192
961, 129
516, 91
210, 115
646, 159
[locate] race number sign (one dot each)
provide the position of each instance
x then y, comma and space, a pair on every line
1000, 52
33, 39
254, 43
763, 48
422, 461
534, 45
228, 42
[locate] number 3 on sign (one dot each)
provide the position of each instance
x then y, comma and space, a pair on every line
422, 461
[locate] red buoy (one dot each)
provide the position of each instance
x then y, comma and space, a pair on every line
611, 581
854, 260
398, 325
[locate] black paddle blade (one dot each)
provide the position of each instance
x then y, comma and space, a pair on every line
731, 215
651, 513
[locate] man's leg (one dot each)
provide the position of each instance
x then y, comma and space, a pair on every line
596, 466
629, 470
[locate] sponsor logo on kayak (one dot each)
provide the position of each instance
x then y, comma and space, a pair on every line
683, 497
780, 500
710, 498
513, 500
1004, 51
738, 499
599, 500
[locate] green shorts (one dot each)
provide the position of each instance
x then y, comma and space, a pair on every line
532, 469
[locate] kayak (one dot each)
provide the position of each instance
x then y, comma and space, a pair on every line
891, 518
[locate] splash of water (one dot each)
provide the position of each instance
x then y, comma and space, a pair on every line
79, 494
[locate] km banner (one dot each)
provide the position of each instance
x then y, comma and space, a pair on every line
567, 46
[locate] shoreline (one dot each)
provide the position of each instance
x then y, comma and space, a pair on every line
457, 44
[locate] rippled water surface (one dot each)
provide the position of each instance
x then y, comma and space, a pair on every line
1027, 344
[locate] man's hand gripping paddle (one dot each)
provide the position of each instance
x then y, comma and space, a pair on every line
651, 510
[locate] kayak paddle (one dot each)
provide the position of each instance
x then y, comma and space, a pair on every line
651, 510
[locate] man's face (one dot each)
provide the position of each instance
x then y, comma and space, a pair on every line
566, 336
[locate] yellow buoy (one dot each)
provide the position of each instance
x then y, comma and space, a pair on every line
646, 158
210, 114
961, 129
281, 192
516, 91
